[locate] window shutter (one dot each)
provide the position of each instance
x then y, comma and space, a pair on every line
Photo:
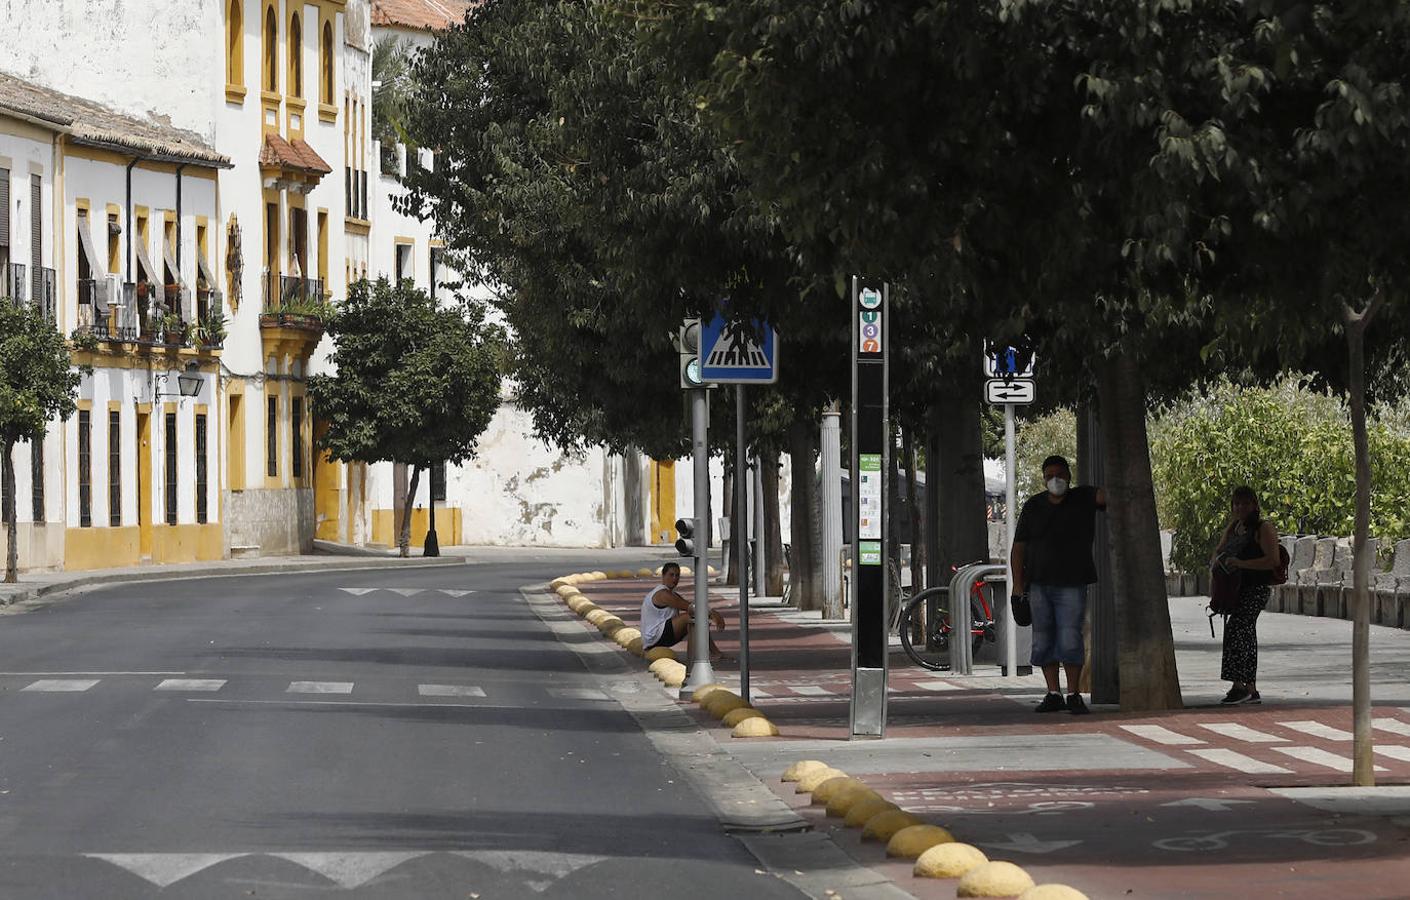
4, 207
36, 236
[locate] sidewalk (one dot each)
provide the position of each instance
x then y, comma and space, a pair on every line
1203, 802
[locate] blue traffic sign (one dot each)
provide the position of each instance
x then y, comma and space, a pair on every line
734, 353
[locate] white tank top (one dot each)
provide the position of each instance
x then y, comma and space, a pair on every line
653, 617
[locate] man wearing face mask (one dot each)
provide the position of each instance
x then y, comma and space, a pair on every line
1052, 566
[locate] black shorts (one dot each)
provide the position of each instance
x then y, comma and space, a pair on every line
668, 637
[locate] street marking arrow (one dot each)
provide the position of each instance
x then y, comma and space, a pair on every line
357, 592
1023, 842
1209, 804
452, 593
164, 869
350, 870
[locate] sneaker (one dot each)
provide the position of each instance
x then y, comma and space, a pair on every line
1253, 697
1237, 695
1051, 703
1076, 706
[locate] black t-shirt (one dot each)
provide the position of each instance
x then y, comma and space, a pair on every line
1057, 537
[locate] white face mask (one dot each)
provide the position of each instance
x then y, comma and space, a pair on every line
1057, 486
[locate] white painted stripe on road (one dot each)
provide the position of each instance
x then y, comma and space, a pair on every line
449, 690
577, 694
1240, 763
1319, 757
755, 692
1395, 751
163, 869
1317, 729
1162, 735
358, 592
60, 685
350, 870
452, 593
405, 592
810, 690
937, 686
1394, 726
1242, 733
357, 703
191, 684
319, 687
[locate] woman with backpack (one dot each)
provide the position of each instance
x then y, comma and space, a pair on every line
1249, 549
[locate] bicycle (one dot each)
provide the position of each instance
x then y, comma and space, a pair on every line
926, 632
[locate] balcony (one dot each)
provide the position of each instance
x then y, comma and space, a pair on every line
39, 291
12, 283
294, 302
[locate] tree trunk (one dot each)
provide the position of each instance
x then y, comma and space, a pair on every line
404, 533
12, 528
773, 553
908, 451
964, 532
937, 573
803, 572
1149, 680
1363, 772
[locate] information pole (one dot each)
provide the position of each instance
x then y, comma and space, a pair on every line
1010, 519
740, 529
701, 672
871, 455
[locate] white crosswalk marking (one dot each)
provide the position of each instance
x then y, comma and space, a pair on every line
756, 693
937, 686
810, 690
191, 684
1317, 729
449, 690
60, 685
1394, 726
1320, 757
1242, 733
571, 693
1162, 735
452, 593
357, 592
405, 592
319, 687
1240, 763
1395, 751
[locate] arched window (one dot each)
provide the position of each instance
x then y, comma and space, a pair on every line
271, 50
296, 55
326, 61
235, 44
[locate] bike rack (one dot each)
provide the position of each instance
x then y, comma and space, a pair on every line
961, 656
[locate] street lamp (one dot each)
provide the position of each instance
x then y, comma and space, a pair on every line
188, 383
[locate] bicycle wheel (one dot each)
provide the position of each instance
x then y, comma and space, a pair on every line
932, 650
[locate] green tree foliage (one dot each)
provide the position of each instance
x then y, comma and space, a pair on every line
38, 384
414, 383
1039, 438
1291, 445
391, 84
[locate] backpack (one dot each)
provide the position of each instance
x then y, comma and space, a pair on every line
1280, 574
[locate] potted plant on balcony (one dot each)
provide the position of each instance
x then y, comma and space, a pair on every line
209, 332
173, 331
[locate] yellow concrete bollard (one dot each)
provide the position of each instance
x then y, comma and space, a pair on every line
610, 624
625, 635
597, 576
883, 826
735, 716
659, 653
801, 768
809, 782
755, 727
843, 801
864, 809
912, 841
994, 879
826, 790
700, 694
674, 677
659, 665
721, 702
597, 615
1052, 892
952, 860
644, 572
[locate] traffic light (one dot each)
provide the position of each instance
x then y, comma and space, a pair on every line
689, 347
685, 543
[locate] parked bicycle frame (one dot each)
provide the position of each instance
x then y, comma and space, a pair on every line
926, 630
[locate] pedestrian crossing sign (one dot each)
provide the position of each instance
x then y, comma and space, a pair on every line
738, 352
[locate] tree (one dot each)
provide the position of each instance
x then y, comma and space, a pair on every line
391, 65
38, 384
414, 383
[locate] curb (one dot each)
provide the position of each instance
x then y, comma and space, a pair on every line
776, 835
353, 564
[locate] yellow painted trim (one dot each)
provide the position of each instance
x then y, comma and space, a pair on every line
663, 502
327, 112
96, 154
114, 406
27, 130
320, 224
356, 226
234, 55
130, 356
404, 240
235, 414
235, 94
85, 405
277, 479
437, 243
101, 547
145, 475
169, 407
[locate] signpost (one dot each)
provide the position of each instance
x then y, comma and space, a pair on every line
1010, 367
740, 353
871, 451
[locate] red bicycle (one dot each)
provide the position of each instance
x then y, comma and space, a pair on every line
926, 629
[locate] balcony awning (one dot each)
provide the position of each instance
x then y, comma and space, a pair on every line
145, 270
294, 157
203, 271
90, 256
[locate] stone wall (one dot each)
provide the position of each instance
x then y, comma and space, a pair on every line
279, 522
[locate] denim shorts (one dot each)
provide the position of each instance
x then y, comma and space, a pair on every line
1058, 612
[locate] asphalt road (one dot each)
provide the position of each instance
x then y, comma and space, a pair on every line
387, 734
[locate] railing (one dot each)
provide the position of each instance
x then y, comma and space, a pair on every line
39, 291
291, 301
12, 283
46, 293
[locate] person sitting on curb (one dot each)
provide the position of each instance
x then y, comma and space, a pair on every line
1052, 565
666, 617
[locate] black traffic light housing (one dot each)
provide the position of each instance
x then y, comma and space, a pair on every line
689, 347
685, 543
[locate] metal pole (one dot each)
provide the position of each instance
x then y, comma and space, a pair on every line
701, 672
761, 570
1010, 500
831, 446
741, 542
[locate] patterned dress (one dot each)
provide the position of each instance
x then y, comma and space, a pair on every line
1241, 629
